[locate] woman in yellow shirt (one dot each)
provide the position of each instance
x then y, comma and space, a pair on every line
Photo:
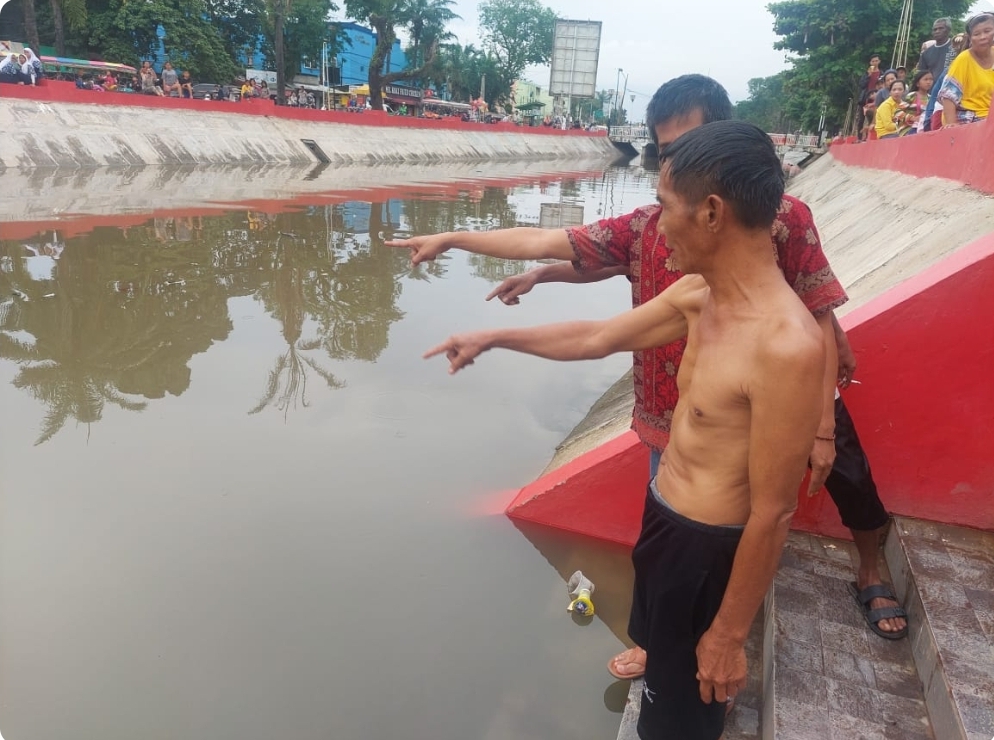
885, 126
966, 91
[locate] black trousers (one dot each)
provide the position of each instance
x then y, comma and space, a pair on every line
850, 484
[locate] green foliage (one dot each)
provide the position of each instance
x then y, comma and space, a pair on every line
831, 42
516, 33
764, 107
460, 69
425, 19
238, 23
305, 29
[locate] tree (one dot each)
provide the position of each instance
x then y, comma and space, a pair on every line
31, 24
426, 22
73, 11
384, 16
299, 28
832, 41
516, 33
239, 23
764, 107
126, 31
461, 69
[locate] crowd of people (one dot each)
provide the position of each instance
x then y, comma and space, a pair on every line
952, 84
23, 68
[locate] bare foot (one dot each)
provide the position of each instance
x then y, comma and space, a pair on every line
628, 665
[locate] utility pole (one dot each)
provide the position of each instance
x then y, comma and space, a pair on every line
617, 84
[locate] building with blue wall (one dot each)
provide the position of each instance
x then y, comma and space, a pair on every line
353, 60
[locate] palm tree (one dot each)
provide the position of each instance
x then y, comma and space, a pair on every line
31, 24
426, 20
73, 11
286, 297
278, 11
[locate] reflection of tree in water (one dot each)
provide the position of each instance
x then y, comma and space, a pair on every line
128, 308
285, 297
112, 321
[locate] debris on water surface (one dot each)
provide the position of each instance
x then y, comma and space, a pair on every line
580, 589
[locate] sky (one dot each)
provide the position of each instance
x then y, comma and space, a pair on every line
655, 40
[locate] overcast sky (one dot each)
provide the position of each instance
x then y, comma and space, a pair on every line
654, 40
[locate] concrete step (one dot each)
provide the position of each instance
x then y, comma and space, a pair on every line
945, 577
817, 672
826, 675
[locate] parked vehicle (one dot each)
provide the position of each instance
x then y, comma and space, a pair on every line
212, 91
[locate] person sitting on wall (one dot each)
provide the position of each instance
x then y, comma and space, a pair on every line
109, 81
916, 101
186, 84
886, 126
32, 69
264, 92
246, 90
10, 70
966, 91
148, 80
170, 81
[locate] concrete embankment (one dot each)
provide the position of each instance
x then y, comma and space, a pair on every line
53, 127
99, 196
878, 228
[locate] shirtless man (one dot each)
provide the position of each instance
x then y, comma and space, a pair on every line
631, 245
718, 510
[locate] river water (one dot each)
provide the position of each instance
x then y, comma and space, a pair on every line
236, 503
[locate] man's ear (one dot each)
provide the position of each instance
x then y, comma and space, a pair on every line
713, 209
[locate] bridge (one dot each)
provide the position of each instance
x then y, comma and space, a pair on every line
633, 141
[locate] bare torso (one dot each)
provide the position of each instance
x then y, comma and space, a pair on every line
704, 472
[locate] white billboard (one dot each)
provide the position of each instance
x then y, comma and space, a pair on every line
575, 50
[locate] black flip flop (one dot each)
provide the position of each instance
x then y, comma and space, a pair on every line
873, 616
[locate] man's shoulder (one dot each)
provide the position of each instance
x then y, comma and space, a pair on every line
794, 223
792, 339
688, 294
795, 207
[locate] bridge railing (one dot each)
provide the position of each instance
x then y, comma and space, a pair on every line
629, 133
635, 133
795, 141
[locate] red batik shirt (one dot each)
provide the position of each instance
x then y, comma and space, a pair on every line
633, 240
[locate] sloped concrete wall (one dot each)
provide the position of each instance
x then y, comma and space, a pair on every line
126, 131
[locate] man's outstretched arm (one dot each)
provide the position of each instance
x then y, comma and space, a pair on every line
654, 324
511, 289
520, 243
785, 399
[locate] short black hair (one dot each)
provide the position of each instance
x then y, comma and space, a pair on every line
734, 160
919, 75
874, 56
681, 96
898, 82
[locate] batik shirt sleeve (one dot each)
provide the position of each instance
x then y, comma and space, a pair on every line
802, 260
608, 242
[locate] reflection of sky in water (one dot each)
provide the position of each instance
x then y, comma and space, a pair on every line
237, 502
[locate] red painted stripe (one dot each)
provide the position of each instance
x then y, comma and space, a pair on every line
962, 153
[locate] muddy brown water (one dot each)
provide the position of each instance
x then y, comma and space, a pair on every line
237, 504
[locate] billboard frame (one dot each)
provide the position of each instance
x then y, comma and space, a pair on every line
567, 45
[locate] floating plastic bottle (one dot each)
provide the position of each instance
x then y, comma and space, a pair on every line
580, 589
